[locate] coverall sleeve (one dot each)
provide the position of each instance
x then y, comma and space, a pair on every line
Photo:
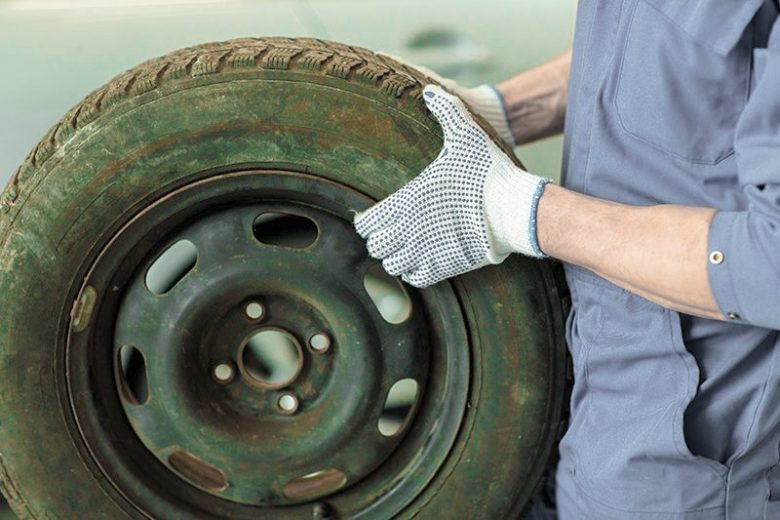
744, 246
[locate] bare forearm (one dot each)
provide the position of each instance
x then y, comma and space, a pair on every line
536, 100
658, 252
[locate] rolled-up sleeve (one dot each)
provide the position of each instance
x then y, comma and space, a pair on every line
744, 246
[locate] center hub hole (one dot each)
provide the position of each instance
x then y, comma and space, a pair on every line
272, 358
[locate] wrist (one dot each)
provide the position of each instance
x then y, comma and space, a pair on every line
535, 101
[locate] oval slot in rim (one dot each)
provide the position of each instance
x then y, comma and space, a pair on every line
132, 373
315, 485
389, 296
398, 407
285, 230
198, 472
171, 267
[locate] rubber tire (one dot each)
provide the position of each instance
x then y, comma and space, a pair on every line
196, 112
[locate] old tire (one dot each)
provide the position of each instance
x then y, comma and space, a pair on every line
225, 131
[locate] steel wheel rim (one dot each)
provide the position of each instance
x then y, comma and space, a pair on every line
396, 488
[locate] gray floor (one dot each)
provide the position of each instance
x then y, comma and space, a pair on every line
54, 52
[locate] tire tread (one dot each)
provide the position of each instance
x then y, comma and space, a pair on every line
308, 55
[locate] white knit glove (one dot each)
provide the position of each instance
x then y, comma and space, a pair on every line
484, 99
470, 207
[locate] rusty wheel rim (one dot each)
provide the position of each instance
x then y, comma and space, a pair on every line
209, 434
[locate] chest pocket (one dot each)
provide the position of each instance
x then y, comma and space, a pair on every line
684, 76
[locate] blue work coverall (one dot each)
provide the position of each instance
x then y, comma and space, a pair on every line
675, 416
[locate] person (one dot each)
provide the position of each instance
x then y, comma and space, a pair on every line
667, 220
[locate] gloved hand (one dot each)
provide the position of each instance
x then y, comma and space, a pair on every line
484, 99
470, 207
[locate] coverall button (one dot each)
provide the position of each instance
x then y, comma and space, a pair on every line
733, 316
716, 257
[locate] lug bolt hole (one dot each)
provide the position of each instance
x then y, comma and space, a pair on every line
254, 310
288, 404
320, 342
224, 373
